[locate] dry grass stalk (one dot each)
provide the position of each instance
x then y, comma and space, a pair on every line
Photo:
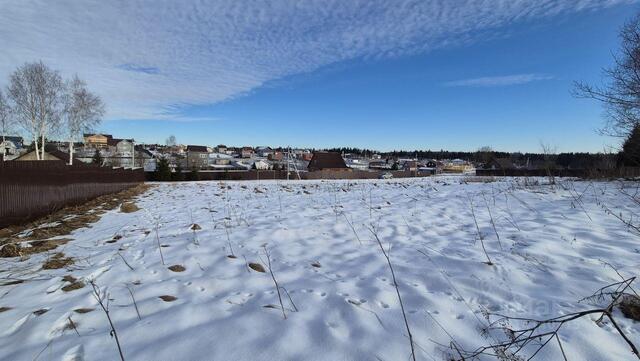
135, 304
395, 284
480, 236
125, 261
275, 281
101, 297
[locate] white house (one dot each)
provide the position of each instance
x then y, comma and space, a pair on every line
262, 164
11, 146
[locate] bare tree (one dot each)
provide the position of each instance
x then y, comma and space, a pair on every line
550, 155
621, 94
5, 120
83, 111
171, 141
484, 155
36, 92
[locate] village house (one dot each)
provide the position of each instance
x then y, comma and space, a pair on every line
247, 152
10, 148
261, 164
221, 148
197, 156
51, 152
97, 140
379, 164
411, 166
219, 159
264, 151
122, 147
144, 159
327, 161
275, 156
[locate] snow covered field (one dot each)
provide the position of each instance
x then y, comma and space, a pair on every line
337, 289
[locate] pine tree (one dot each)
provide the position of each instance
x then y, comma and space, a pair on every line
631, 148
194, 175
97, 158
163, 173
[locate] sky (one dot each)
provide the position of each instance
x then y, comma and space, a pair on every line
402, 74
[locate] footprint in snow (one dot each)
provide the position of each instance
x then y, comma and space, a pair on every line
356, 302
74, 354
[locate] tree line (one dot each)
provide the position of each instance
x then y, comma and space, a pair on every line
41, 103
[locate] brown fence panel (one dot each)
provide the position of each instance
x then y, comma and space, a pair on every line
32, 189
626, 172
276, 174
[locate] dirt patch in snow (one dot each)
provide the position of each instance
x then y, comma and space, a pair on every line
256, 267
29, 248
168, 298
83, 310
630, 307
40, 312
177, 268
58, 260
73, 285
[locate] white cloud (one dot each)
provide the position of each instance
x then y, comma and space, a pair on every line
504, 80
148, 57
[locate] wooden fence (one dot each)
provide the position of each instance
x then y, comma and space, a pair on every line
626, 172
30, 189
276, 174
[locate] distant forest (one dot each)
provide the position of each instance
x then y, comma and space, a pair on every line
564, 160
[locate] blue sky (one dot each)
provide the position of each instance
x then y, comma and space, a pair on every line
375, 74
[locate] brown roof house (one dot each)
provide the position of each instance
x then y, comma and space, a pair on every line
97, 140
197, 156
51, 152
327, 161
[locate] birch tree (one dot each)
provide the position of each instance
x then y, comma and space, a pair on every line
36, 93
83, 111
5, 120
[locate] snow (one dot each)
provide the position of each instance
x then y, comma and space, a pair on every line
554, 242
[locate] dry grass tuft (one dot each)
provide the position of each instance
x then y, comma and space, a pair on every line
44, 246
83, 310
195, 227
73, 286
129, 207
10, 250
177, 268
57, 261
168, 298
630, 307
478, 179
257, 267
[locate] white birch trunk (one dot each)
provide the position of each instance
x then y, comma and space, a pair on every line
71, 152
35, 141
